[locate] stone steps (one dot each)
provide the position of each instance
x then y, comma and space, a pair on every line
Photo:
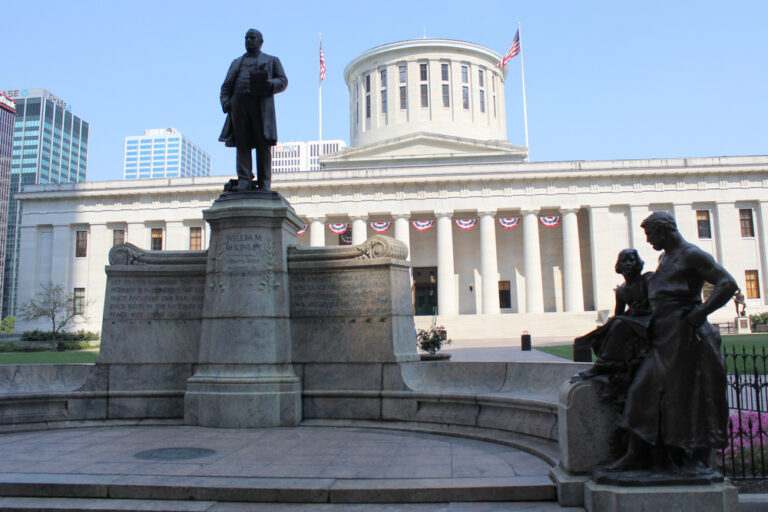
178, 489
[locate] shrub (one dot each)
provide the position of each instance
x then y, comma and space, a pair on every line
8, 324
67, 337
747, 442
431, 340
760, 319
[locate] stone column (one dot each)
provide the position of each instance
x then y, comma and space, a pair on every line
574, 291
244, 377
359, 229
316, 231
763, 247
489, 268
446, 284
177, 237
135, 234
727, 236
402, 230
63, 246
534, 293
685, 218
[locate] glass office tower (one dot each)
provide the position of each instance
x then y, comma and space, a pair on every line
7, 118
163, 153
50, 145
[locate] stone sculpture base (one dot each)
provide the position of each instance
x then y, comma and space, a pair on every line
242, 396
719, 497
245, 376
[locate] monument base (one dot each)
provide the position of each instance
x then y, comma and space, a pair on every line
243, 396
718, 497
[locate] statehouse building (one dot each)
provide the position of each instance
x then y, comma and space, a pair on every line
498, 244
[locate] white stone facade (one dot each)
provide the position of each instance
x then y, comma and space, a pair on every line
563, 270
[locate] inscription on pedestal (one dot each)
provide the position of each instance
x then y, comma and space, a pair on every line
154, 298
244, 251
340, 293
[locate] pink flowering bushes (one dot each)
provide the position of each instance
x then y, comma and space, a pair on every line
747, 443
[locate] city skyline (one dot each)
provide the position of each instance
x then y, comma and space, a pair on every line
603, 81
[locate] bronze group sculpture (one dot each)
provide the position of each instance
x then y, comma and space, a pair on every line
247, 97
675, 411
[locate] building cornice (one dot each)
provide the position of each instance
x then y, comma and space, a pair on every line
406, 176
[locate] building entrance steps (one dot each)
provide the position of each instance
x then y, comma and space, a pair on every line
322, 465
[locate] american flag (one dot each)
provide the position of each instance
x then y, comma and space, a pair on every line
513, 50
322, 63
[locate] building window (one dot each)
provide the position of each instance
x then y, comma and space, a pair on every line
482, 101
423, 72
747, 226
465, 97
424, 95
157, 239
464, 74
753, 285
446, 95
383, 91
505, 295
444, 72
480, 78
78, 301
195, 238
403, 98
81, 244
367, 96
403, 73
704, 226
118, 237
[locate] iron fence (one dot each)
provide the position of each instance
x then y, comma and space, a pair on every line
745, 456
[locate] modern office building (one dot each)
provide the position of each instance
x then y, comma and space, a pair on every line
163, 153
50, 145
498, 245
302, 156
7, 121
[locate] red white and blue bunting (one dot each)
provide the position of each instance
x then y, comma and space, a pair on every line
549, 222
381, 227
302, 230
509, 222
465, 224
338, 229
346, 238
422, 225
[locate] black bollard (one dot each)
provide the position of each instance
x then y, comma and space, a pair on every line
525, 341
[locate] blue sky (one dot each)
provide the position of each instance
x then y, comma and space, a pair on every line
605, 80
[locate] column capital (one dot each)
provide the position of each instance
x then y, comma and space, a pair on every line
484, 212
316, 218
528, 211
569, 209
401, 215
443, 213
358, 216
725, 203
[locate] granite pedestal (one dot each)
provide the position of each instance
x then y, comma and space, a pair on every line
245, 376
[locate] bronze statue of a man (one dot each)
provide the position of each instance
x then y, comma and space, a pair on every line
247, 97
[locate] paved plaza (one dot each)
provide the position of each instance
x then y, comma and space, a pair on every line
311, 465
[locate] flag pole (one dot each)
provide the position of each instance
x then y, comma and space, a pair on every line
320, 100
525, 106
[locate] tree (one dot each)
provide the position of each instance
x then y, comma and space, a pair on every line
8, 324
55, 305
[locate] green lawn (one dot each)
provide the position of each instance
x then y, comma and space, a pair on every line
740, 343
69, 356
